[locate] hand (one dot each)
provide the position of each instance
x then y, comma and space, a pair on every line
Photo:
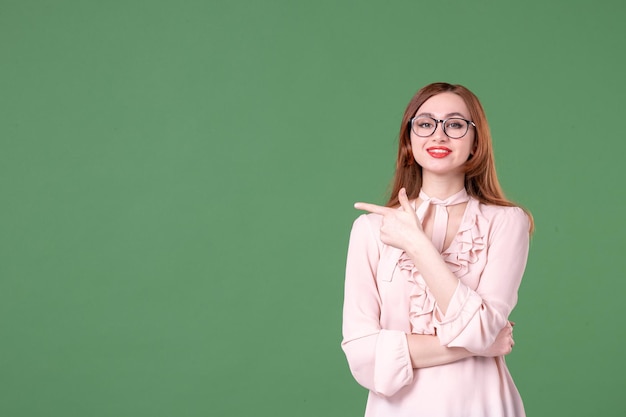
503, 345
400, 226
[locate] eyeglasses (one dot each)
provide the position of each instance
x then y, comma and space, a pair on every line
454, 127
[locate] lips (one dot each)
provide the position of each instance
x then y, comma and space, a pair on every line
439, 151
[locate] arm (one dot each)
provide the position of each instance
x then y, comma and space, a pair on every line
441, 282
427, 351
402, 229
378, 358
464, 317
474, 317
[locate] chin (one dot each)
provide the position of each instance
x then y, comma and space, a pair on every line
443, 171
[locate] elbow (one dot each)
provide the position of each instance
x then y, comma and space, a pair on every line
386, 390
476, 334
382, 385
361, 363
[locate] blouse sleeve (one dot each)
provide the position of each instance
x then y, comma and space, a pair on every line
475, 317
378, 358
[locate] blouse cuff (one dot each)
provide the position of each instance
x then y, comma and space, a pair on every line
463, 306
393, 369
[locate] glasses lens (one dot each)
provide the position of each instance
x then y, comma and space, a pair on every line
456, 128
424, 126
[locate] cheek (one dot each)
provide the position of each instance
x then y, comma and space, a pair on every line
417, 143
415, 147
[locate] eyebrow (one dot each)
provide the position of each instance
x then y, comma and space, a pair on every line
445, 117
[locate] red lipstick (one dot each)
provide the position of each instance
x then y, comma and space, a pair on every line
439, 151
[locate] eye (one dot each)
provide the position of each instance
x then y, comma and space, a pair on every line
424, 123
456, 124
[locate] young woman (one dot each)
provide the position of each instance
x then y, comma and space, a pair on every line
432, 277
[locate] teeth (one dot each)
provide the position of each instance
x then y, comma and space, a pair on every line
439, 151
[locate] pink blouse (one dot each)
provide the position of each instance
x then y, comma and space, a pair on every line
386, 298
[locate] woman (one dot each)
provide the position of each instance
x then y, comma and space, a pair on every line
432, 277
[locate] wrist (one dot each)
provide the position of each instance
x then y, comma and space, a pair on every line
421, 248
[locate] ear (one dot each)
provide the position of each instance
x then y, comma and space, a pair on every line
473, 151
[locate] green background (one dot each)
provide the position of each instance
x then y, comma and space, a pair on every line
177, 180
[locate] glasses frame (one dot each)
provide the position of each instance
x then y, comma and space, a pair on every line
443, 126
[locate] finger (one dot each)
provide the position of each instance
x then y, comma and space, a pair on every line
404, 200
372, 208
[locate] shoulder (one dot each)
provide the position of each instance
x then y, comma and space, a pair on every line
504, 217
370, 223
493, 211
365, 235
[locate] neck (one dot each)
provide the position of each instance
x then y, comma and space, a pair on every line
442, 187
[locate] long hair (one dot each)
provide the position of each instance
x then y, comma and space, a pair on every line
481, 181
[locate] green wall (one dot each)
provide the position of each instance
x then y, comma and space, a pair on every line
177, 180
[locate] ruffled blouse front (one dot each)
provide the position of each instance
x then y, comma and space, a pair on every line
421, 301
463, 251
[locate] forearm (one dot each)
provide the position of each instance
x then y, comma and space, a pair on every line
426, 351
441, 282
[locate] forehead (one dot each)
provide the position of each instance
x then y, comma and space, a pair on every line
444, 104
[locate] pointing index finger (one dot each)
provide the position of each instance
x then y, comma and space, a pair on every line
372, 208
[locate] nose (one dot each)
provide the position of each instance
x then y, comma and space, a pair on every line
439, 134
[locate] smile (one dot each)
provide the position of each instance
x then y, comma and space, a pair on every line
439, 151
